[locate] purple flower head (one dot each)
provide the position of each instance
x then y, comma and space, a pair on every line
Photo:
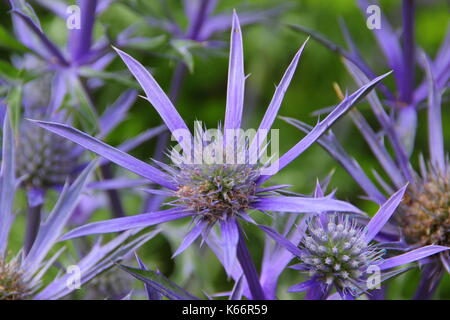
74, 70
422, 219
337, 252
45, 160
80, 46
213, 193
402, 55
24, 275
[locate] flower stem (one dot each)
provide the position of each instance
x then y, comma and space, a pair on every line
33, 223
249, 269
199, 20
177, 81
113, 195
408, 51
429, 281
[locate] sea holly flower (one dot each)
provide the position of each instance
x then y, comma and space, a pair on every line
337, 252
22, 275
76, 69
401, 53
201, 31
81, 48
422, 219
212, 194
276, 258
45, 161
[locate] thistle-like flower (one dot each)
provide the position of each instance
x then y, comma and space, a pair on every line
425, 213
81, 47
337, 252
22, 275
45, 161
401, 55
212, 192
423, 217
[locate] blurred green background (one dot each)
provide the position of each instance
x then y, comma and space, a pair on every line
268, 48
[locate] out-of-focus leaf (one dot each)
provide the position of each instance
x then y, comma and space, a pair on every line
86, 112
160, 283
8, 72
182, 48
11, 73
111, 76
27, 9
14, 102
9, 42
321, 39
146, 43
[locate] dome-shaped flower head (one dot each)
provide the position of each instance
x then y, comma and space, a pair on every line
337, 252
45, 161
71, 68
423, 218
212, 191
24, 275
